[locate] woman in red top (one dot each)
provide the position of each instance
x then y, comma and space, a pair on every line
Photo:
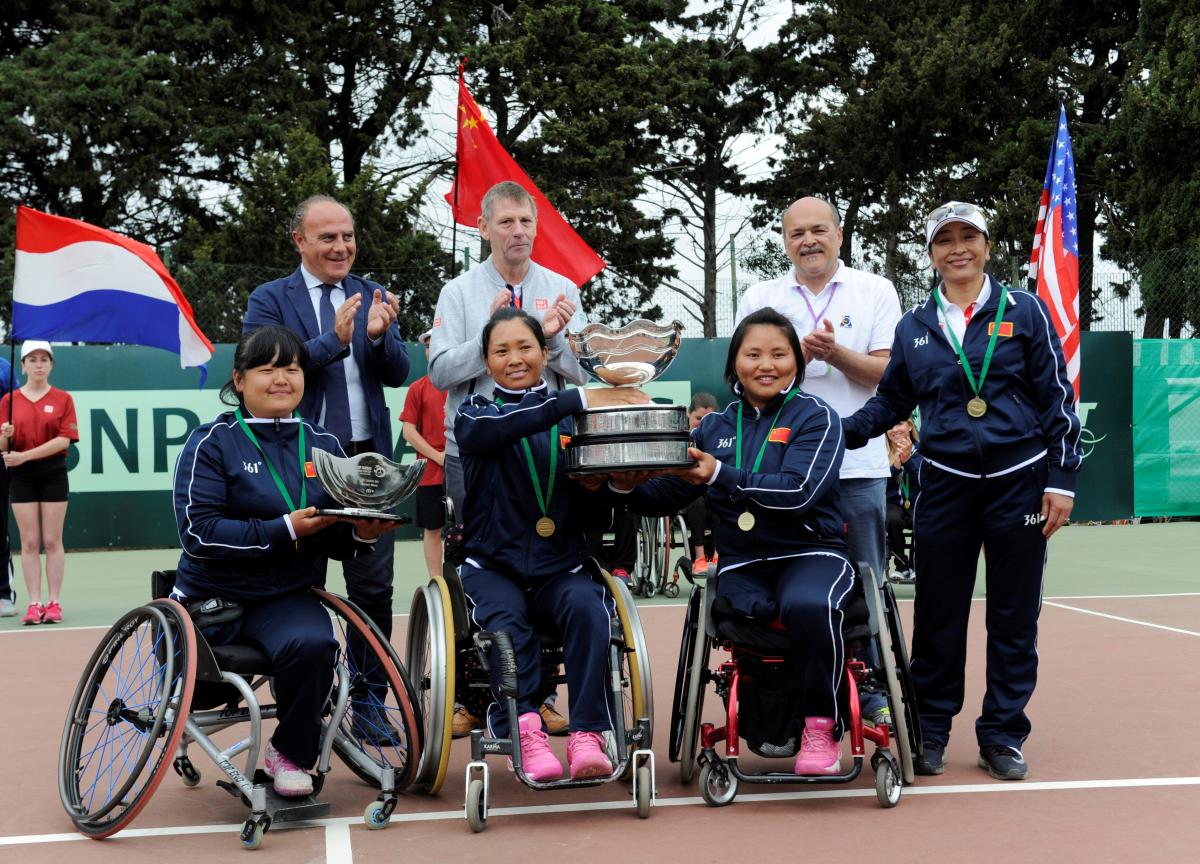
35, 446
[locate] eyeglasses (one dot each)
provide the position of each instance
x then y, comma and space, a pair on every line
955, 208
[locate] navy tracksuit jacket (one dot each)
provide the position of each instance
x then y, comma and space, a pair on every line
794, 562
981, 484
515, 579
236, 545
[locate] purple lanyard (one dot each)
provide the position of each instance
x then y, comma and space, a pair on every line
817, 318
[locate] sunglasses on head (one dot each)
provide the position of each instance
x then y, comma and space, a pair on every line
954, 209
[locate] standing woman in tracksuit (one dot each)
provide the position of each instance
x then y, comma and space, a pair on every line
767, 467
1000, 440
524, 525
245, 504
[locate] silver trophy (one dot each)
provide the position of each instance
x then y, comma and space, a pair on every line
368, 484
628, 437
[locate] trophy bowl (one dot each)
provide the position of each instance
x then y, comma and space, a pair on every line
628, 437
368, 484
628, 356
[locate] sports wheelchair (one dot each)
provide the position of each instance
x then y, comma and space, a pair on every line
657, 536
757, 663
442, 646
154, 686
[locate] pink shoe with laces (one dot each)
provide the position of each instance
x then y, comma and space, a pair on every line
586, 756
291, 780
819, 753
537, 759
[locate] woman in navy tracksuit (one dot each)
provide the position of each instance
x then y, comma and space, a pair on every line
767, 466
1000, 457
525, 524
254, 539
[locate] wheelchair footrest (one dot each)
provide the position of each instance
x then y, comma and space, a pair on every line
286, 809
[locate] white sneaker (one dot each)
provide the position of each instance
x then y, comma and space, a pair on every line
8, 609
291, 780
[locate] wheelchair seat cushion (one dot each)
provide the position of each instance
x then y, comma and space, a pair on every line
242, 659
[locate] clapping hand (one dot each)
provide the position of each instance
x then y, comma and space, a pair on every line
385, 308
819, 344
558, 316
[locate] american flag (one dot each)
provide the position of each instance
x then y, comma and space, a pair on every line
1054, 263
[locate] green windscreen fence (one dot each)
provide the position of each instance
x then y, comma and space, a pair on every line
1166, 427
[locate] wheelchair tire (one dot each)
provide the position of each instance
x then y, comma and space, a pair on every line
431, 657
476, 805
694, 649
903, 674
639, 696
896, 696
663, 530
130, 707
887, 785
390, 737
718, 786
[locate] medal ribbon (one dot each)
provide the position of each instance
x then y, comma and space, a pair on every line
543, 502
275, 474
763, 447
987, 357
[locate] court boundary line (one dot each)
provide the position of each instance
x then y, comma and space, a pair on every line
343, 823
1150, 624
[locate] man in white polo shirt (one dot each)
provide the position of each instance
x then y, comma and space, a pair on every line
846, 320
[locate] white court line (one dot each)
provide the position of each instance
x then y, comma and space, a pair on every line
1125, 620
448, 815
337, 844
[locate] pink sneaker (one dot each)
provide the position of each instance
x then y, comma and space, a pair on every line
586, 756
700, 566
819, 753
53, 613
621, 573
33, 615
537, 759
291, 780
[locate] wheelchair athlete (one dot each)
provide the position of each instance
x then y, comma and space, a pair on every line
525, 542
245, 507
768, 466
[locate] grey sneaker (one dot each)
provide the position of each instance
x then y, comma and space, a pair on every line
8, 609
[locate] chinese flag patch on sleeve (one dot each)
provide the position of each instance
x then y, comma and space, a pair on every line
1006, 328
310, 470
563, 441
780, 435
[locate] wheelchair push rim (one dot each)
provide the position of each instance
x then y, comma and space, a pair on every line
639, 696
430, 655
689, 687
127, 717
382, 723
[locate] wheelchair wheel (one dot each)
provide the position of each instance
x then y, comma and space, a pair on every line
899, 647
899, 701
718, 786
663, 529
127, 717
643, 570
431, 654
382, 723
476, 805
689, 687
638, 697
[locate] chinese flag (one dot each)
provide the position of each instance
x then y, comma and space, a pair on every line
482, 163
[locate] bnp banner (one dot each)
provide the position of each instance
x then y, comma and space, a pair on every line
136, 408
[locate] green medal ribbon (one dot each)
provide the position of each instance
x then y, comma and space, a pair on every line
987, 357
275, 474
543, 501
763, 447
903, 485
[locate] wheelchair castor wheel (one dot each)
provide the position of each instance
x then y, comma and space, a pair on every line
187, 771
645, 791
378, 814
671, 590
887, 783
476, 805
253, 831
717, 786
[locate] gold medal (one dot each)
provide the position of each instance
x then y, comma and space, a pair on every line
544, 527
976, 407
746, 521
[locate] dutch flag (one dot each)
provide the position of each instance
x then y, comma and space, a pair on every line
75, 282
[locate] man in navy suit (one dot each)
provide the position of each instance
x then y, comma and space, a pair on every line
354, 351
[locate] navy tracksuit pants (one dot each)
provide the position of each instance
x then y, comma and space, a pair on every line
808, 592
568, 603
295, 632
955, 516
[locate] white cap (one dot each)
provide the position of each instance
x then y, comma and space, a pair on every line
32, 345
954, 211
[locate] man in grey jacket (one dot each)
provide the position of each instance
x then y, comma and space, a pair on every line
507, 276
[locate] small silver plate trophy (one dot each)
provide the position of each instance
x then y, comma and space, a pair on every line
369, 485
628, 437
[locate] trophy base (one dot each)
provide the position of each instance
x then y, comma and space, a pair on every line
636, 466
362, 513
